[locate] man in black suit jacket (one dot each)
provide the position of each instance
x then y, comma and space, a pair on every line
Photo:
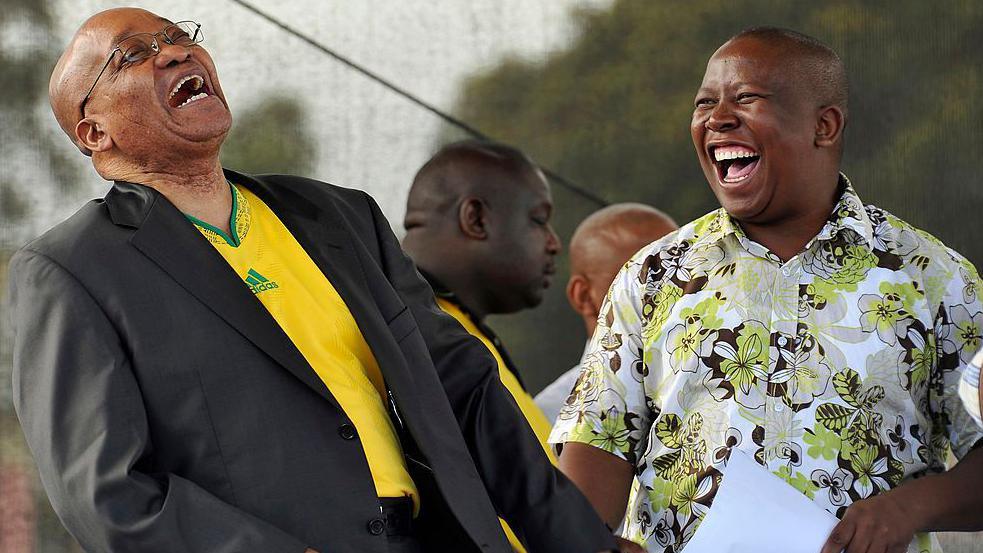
166, 407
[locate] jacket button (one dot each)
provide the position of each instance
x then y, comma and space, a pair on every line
347, 431
377, 526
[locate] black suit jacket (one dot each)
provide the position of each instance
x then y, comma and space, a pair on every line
167, 411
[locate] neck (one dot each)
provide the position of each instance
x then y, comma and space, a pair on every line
784, 241
465, 289
472, 301
590, 325
788, 237
198, 189
429, 255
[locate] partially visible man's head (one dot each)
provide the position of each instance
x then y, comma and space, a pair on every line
478, 218
138, 112
602, 244
768, 124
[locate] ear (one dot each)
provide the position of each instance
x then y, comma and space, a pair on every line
472, 218
90, 137
829, 126
578, 294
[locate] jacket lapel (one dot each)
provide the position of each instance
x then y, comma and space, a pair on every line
332, 249
165, 236
317, 230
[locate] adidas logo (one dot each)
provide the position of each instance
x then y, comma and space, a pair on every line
258, 283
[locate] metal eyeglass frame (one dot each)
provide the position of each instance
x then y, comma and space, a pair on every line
154, 49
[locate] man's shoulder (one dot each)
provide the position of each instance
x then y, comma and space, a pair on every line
912, 245
313, 189
697, 231
76, 237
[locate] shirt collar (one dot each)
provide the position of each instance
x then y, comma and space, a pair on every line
239, 222
848, 215
442, 291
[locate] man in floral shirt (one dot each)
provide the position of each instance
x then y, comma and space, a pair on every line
823, 336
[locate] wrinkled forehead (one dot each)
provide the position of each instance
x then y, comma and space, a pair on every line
105, 30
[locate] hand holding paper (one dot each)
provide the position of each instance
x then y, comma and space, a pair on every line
756, 512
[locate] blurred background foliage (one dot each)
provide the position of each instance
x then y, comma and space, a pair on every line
24, 511
22, 84
611, 112
271, 137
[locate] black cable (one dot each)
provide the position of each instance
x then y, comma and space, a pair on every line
562, 181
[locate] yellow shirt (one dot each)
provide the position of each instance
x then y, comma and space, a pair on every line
309, 310
534, 415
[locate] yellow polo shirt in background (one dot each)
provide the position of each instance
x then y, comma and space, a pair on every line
309, 310
534, 415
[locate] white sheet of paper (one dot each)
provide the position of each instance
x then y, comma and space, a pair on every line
757, 512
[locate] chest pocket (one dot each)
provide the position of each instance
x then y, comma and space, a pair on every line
402, 325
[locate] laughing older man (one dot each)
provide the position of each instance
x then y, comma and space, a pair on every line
209, 361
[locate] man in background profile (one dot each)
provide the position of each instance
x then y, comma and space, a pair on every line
600, 246
478, 227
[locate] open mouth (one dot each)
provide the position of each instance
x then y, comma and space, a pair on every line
188, 90
735, 163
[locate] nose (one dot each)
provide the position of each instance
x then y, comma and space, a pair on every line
171, 54
722, 117
553, 244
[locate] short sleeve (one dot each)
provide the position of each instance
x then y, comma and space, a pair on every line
960, 330
969, 388
607, 408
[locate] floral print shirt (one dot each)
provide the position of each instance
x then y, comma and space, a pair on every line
838, 370
969, 388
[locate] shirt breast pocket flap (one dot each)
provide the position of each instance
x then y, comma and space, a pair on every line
402, 325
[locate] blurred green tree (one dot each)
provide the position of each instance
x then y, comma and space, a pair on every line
271, 137
612, 112
27, 53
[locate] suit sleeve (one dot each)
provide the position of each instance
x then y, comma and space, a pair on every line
81, 409
545, 509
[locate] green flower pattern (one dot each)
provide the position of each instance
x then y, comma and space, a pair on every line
838, 370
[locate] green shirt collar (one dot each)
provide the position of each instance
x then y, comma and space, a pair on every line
239, 219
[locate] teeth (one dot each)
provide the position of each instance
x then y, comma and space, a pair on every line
738, 179
721, 154
197, 84
194, 98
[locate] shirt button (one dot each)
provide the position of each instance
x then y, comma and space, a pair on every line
779, 407
347, 431
377, 526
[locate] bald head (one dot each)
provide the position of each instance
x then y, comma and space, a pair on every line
817, 68
605, 240
467, 168
602, 244
82, 60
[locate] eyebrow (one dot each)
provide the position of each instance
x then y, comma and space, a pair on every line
128, 31
118, 37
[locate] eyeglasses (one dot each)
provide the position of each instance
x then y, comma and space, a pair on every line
138, 47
